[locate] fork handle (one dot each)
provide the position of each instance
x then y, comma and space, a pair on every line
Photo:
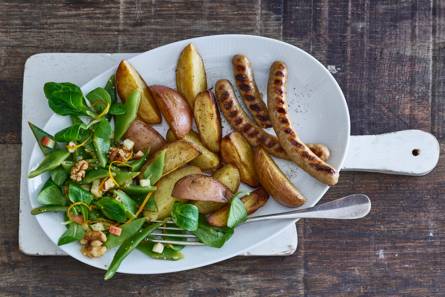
354, 206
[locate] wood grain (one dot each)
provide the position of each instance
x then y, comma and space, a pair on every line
387, 56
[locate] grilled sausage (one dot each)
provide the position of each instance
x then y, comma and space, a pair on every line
289, 140
240, 122
249, 91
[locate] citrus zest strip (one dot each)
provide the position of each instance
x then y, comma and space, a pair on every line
68, 210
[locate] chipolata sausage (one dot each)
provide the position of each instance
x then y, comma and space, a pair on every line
249, 92
240, 122
288, 138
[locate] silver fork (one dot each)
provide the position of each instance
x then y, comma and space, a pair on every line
354, 206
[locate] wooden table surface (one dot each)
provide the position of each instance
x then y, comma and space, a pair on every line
389, 60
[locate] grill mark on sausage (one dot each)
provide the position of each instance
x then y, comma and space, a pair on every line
294, 142
240, 68
263, 118
228, 105
307, 156
279, 92
279, 73
233, 113
262, 138
281, 110
269, 144
288, 131
323, 168
249, 97
225, 95
240, 77
254, 133
255, 107
284, 121
278, 82
238, 121
244, 87
246, 127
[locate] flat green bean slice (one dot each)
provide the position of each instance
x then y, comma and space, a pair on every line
127, 247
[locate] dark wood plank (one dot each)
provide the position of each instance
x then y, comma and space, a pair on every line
438, 87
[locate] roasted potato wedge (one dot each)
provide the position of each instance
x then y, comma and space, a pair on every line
144, 137
177, 154
228, 175
175, 109
237, 151
200, 187
207, 160
252, 202
274, 181
208, 120
163, 194
128, 80
190, 74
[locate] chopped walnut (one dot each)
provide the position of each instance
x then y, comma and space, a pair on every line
93, 244
78, 170
119, 154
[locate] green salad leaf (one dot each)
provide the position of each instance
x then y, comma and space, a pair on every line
66, 99
51, 194
59, 175
77, 194
110, 87
112, 209
130, 205
185, 215
72, 133
73, 233
51, 161
212, 236
237, 211
99, 99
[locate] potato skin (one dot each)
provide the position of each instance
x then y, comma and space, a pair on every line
200, 187
237, 151
190, 74
175, 109
128, 80
251, 202
177, 154
275, 182
144, 137
207, 160
208, 120
163, 194
228, 175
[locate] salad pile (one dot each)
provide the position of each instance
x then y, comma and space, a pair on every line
105, 188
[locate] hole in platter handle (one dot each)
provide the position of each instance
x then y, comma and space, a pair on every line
407, 152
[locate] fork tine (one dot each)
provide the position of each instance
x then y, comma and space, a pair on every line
170, 228
194, 243
173, 235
